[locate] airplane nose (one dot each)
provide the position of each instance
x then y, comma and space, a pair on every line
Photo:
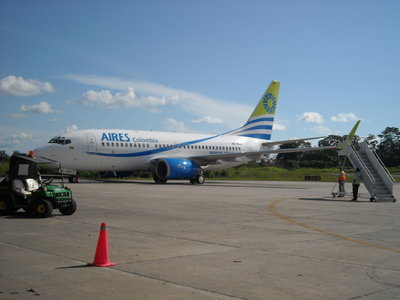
46, 152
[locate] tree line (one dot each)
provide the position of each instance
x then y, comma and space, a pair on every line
386, 145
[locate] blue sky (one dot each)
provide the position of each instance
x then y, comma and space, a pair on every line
196, 66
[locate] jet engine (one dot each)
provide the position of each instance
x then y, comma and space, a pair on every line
176, 168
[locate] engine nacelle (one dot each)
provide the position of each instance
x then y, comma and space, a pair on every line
176, 168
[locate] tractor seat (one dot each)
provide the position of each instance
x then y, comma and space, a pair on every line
19, 188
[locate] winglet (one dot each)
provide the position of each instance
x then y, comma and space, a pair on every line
350, 137
352, 133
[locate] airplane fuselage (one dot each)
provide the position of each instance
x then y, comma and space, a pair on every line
131, 150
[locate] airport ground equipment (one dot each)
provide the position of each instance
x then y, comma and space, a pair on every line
25, 188
375, 176
335, 191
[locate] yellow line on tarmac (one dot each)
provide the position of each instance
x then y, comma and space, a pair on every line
271, 209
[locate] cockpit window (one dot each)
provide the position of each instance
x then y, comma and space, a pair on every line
60, 140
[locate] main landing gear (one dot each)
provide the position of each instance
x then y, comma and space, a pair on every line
199, 179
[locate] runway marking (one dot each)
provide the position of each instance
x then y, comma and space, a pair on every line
271, 209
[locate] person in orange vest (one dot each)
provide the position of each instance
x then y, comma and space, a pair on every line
342, 180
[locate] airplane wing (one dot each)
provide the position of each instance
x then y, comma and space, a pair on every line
291, 141
236, 157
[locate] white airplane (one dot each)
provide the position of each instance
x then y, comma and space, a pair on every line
170, 155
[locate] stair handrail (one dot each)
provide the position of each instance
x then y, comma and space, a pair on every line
382, 164
364, 166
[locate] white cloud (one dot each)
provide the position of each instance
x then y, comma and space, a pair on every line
41, 107
311, 117
18, 86
208, 120
174, 125
278, 126
17, 116
323, 130
73, 127
345, 117
22, 139
232, 114
13, 140
127, 99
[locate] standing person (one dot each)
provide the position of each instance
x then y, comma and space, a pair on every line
342, 180
356, 183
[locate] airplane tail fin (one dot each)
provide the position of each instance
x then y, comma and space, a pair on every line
259, 125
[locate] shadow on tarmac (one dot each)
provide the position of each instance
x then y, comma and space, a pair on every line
330, 200
207, 184
74, 267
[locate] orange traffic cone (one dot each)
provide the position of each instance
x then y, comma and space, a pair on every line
101, 256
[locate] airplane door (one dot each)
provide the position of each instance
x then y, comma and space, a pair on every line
91, 142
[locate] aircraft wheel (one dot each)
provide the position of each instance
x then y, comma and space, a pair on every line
73, 179
159, 180
200, 179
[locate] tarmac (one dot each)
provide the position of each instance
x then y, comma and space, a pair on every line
219, 240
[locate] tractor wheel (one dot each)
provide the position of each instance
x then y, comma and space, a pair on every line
43, 209
6, 206
69, 210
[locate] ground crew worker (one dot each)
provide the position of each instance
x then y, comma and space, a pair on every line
356, 184
342, 180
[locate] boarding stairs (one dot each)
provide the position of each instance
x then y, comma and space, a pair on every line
375, 176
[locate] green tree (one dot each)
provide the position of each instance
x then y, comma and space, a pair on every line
4, 156
389, 147
372, 141
291, 160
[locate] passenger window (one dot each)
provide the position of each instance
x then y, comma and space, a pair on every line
108, 144
117, 144
102, 144
139, 145
112, 144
